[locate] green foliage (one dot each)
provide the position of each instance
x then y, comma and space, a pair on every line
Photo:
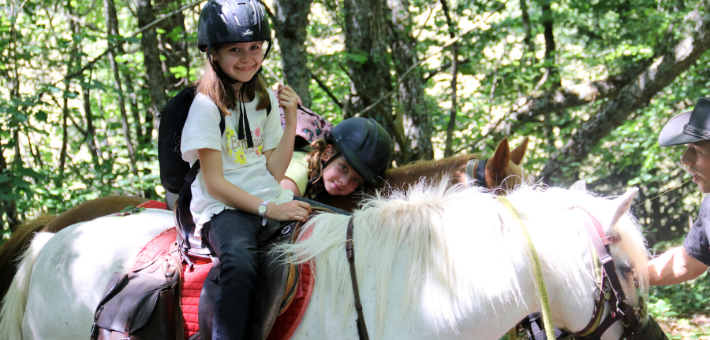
42, 44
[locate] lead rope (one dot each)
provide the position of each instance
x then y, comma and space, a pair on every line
537, 268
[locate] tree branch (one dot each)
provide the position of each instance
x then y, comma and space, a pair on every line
327, 90
632, 97
447, 44
134, 34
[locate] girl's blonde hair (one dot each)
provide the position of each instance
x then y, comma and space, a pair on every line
314, 159
216, 87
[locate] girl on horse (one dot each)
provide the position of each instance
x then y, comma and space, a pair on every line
240, 168
357, 151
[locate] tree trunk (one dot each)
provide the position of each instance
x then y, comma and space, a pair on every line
527, 28
632, 97
552, 74
366, 43
290, 22
410, 96
65, 106
112, 29
448, 150
90, 131
9, 208
155, 81
175, 51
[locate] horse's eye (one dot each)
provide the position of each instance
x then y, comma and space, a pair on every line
627, 270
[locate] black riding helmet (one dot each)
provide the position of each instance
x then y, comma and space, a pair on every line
366, 146
229, 21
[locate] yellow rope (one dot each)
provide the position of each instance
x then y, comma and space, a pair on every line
512, 334
546, 317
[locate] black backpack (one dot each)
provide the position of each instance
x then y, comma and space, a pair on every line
176, 175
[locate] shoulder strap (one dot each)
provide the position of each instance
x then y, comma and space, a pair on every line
221, 122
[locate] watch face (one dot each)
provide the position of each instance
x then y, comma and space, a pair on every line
262, 209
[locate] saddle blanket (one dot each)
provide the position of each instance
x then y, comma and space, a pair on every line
193, 278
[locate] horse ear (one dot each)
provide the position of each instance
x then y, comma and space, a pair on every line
623, 204
501, 158
580, 185
517, 155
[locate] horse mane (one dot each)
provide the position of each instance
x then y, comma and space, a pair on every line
459, 245
435, 170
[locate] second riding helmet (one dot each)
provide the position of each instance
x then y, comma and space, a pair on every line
366, 146
229, 21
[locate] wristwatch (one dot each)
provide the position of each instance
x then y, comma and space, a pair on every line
262, 212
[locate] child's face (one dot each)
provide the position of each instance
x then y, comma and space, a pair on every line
340, 178
697, 159
240, 60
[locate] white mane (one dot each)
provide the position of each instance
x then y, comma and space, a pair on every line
460, 246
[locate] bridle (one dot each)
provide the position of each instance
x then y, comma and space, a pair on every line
610, 290
476, 171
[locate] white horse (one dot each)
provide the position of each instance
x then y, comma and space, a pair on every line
432, 263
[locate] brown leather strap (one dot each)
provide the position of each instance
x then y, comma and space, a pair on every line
350, 252
618, 303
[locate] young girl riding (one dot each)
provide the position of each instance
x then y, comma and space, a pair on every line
357, 151
237, 188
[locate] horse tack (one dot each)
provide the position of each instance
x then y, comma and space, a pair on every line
611, 289
475, 173
621, 308
350, 253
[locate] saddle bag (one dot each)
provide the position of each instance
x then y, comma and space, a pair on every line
141, 305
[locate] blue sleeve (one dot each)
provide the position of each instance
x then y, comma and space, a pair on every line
696, 243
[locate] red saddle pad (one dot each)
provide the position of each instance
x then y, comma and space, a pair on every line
193, 279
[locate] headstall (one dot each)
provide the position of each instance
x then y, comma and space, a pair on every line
610, 290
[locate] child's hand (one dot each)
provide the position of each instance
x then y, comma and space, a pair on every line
288, 99
289, 211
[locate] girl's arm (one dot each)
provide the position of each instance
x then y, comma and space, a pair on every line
289, 184
277, 160
230, 194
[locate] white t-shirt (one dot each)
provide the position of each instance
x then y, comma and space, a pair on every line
242, 166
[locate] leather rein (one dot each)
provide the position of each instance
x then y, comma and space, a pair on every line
350, 252
610, 290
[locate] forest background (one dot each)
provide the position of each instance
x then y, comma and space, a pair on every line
590, 82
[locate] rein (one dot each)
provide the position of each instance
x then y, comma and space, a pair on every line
350, 252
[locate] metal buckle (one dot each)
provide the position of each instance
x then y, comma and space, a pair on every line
286, 229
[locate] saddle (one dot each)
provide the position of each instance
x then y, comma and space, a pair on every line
277, 285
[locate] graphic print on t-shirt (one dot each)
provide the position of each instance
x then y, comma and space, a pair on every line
239, 149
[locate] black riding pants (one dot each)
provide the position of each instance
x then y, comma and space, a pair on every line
232, 236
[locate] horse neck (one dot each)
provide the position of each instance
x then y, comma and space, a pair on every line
432, 170
489, 320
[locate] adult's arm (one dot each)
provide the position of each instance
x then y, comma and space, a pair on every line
673, 267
